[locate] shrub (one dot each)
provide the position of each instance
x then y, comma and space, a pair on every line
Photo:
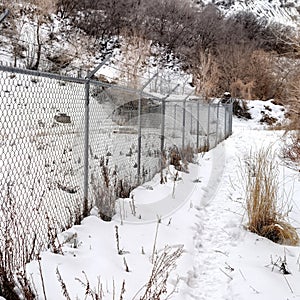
291, 148
265, 217
240, 109
180, 158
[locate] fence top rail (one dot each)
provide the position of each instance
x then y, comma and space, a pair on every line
41, 74
78, 80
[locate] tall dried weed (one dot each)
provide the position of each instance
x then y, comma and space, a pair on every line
266, 215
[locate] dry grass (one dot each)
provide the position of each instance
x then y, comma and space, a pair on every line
163, 264
265, 215
180, 158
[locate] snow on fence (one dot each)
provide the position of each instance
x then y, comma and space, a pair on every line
67, 144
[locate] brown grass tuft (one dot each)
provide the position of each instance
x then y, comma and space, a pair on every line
265, 216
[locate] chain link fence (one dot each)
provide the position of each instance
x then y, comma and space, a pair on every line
68, 144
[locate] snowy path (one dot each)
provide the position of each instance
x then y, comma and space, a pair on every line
216, 230
219, 229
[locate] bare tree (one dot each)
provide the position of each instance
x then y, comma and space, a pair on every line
135, 50
205, 74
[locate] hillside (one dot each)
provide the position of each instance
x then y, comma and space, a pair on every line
226, 46
286, 12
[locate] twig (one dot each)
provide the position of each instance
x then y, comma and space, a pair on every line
225, 273
114, 289
174, 184
288, 284
242, 274
218, 251
126, 265
42, 277
138, 291
122, 290
63, 285
229, 267
154, 244
255, 290
120, 252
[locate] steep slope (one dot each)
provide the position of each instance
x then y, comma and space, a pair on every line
286, 12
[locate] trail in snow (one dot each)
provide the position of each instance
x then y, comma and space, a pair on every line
220, 228
214, 235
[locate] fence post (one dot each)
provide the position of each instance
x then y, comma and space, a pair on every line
225, 120
198, 124
208, 126
86, 140
217, 128
175, 118
230, 116
183, 123
140, 128
87, 129
162, 131
184, 119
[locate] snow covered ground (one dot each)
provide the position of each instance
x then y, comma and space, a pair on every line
203, 212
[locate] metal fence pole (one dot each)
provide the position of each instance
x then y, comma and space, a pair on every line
162, 131
217, 128
139, 139
183, 123
191, 123
198, 124
230, 116
86, 140
87, 127
163, 115
184, 119
175, 118
140, 128
225, 120
208, 126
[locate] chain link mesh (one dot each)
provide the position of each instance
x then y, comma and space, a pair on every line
41, 161
43, 143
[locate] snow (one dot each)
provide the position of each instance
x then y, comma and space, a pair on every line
204, 212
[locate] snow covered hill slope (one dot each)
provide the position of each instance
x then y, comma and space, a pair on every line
286, 12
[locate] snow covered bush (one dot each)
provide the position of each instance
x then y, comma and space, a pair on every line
240, 109
266, 216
